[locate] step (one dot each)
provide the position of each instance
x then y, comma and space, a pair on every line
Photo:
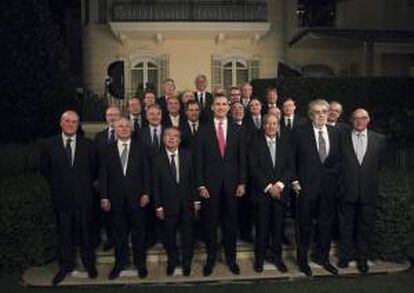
42, 276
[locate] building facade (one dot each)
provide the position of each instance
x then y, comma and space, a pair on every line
140, 43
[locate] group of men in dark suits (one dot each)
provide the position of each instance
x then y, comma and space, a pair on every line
168, 164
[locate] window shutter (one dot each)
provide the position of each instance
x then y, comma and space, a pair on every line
216, 72
254, 68
164, 72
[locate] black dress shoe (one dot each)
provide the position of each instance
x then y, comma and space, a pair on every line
280, 265
59, 277
170, 270
234, 268
208, 269
362, 266
116, 271
343, 264
306, 269
92, 272
329, 267
186, 271
258, 267
142, 272
107, 246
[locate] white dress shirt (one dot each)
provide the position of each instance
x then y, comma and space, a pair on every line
286, 118
72, 144
324, 135
120, 145
270, 140
355, 141
159, 129
175, 120
190, 123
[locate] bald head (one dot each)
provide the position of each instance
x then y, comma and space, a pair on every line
69, 122
360, 119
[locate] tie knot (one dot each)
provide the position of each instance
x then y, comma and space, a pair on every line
172, 156
360, 134
320, 132
68, 140
155, 130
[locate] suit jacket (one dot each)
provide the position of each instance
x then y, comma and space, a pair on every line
187, 137
343, 127
205, 113
360, 183
71, 187
146, 139
123, 189
314, 176
212, 170
101, 140
298, 121
261, 168
166, 192
166, 120
162, 101
144, 123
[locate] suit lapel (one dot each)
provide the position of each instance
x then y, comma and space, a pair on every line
266, 151
116, 157
370, 145
312, 140
351, 146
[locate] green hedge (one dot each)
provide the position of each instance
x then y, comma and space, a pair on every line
394, 228
27, 234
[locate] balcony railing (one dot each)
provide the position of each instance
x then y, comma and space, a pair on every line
189, 12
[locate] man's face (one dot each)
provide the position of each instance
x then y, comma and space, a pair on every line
288, 108
237, 112
69, 122
235, 96
171, 139
220, 107
123, 129
319, 115
334, 113
201, 84
271, 97
173, 106
134, 107
149, 99
247, 91
112, 115
271, 126
154, 116
255, 107
193, 112
187, 96
360, 120
169, 88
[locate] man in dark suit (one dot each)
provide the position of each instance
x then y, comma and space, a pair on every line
270, 169
290, 119
124, 184
174, 197
234, 95
203, 97
254, 115
189, 128
173, 117
138, 121
245, 211
316, 171
271, 100
247, 94
168, 87
334, 117
220, 167
363, 155
102, 139
68, 162
151, 138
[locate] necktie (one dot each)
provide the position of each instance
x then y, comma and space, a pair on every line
201, 100
111, 138
360, 147
257, 122
136, 124
124, 157
194, 128
272, 150
221, 139
155, 141
68, 150
322, 146
173, 167
289, 123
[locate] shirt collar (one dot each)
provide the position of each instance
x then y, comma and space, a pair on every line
269, 139
121, 143
364, 132
216, 121
66, 137
169, 153
323, 129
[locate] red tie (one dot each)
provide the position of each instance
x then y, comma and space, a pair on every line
221, 139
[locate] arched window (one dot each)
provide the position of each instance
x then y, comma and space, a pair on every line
235, 73
144, 73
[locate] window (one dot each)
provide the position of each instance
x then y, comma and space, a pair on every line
235, 73
144, 74
320, 13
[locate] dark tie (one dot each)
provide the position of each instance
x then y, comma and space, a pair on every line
173, 167
155, 141
201, 100
68, 150
289, 123
194, 128
136, 124
111, 138
322, 146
